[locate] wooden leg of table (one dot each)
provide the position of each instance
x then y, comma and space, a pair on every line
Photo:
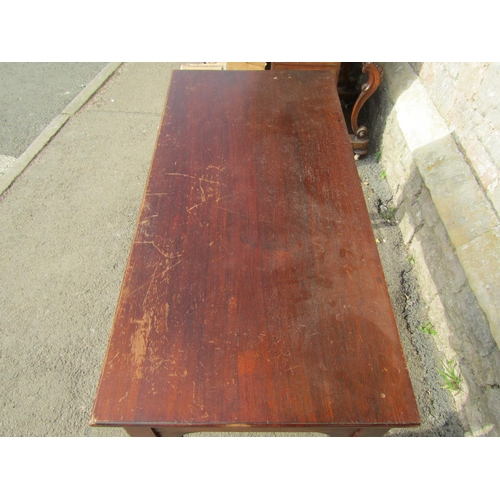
140, 432
375, 75
360, 432
371, 432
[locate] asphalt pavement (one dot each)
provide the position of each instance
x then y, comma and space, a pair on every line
32, 95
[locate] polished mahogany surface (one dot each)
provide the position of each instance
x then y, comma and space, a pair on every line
254, 293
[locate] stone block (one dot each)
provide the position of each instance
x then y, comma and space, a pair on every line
453, 69
444, 96
392, 141
461, 115
418, 249
474, 420
427, 74
495, 197
429, 211
459, 200
492, 397
467, 319
396, 158
480, 259
449, 271
405, 225
479, 159
469, 78
417, 66
488, 95
407, 172
465, 211
435, 247
405, 215
399, 78
418, 118
492, 144
483, 130
413, 186
429, 250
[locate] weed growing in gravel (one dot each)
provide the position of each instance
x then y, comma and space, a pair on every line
378, 155
389, 214
452, 379
383, 175
428, 328
411, 260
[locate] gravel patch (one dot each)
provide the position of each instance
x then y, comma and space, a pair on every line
436, 405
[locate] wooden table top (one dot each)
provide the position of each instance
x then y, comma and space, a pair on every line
254, 292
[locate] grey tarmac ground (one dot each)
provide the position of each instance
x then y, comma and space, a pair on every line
66, 225
32, 95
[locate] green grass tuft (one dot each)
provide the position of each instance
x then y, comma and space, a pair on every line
428, 328
452, 379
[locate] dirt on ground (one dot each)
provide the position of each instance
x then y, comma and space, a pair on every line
436, 405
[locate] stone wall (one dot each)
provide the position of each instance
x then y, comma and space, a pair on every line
438, 128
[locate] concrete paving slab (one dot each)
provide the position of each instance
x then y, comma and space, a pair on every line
142, 89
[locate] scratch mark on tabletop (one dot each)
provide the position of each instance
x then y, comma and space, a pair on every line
203, 197
147, 218
123, 397
136, 290
150, 283
232, 211
321, 246
139, 343
195, 206
111, 362
167, 256
178, 174
163, 276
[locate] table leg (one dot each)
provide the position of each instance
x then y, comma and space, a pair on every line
360, 139
149, 432
140, 432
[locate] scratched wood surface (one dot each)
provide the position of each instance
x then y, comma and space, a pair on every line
254, 293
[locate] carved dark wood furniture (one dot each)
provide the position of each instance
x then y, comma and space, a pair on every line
254, 298
359, 136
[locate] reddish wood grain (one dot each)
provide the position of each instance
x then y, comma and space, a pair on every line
254, 293
334, 67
